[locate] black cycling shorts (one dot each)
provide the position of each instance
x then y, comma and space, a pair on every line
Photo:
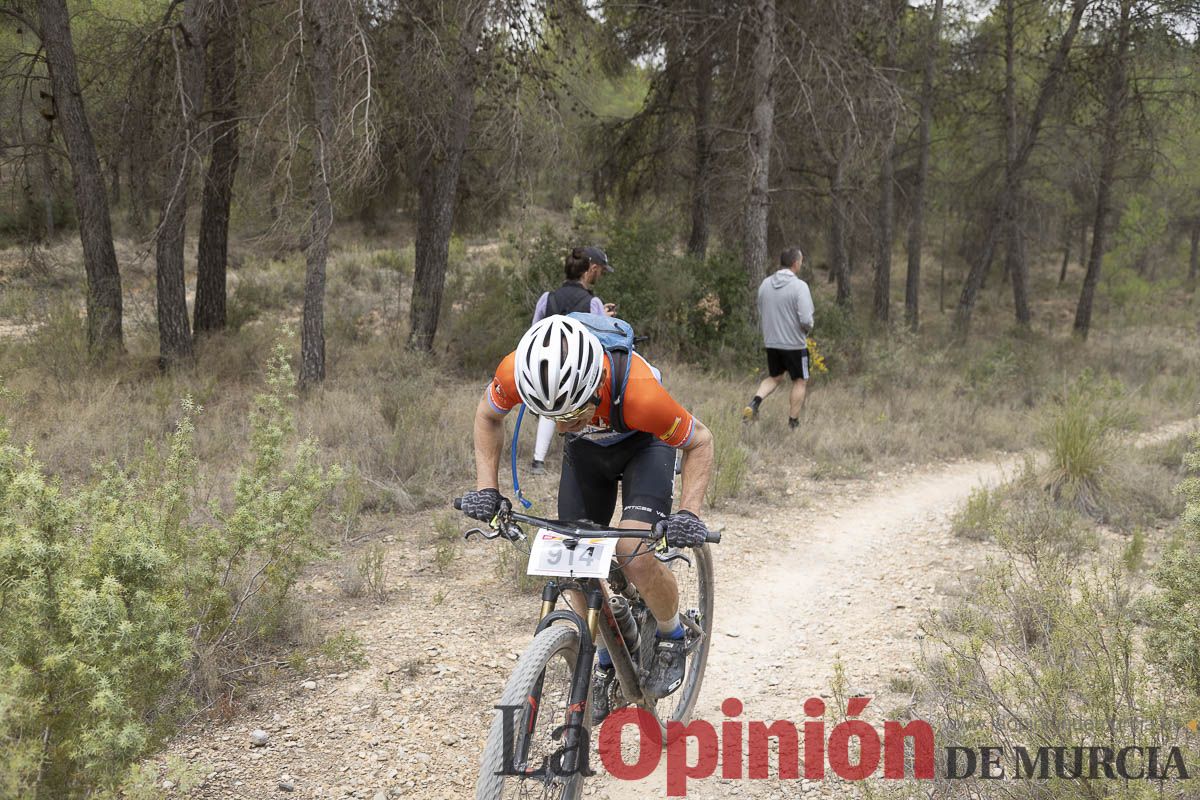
794, 361
642, 465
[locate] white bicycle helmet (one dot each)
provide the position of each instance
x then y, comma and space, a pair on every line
559, 366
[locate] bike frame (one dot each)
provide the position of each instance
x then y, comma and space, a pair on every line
599, 622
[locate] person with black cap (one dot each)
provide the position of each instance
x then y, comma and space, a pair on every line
582, 268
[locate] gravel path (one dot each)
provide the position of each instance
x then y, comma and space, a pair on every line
833, 571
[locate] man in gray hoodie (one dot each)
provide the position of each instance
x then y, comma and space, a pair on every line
785, 307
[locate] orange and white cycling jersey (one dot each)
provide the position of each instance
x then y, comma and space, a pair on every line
648, 406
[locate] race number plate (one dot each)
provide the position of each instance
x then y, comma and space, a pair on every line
589, 559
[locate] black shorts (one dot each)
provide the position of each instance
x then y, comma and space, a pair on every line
642, 465
794, 361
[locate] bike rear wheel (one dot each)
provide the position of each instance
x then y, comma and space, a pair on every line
541, 685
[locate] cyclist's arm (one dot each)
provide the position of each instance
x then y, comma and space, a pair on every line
489, 443
697, 469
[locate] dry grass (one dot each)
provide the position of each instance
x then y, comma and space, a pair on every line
402, 422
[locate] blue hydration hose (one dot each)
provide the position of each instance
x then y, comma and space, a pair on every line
516, 485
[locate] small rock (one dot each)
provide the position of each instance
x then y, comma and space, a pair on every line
449, 740
286, 785
310, 686
168, 785
732, 634
258, 738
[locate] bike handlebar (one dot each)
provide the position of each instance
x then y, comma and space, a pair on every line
583, 529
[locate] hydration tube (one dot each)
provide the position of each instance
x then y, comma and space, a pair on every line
516, 485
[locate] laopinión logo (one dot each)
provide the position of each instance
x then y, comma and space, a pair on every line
853, 750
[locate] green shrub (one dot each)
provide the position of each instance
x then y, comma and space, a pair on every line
681, 304
1174, 611
57, 344
1080, 438
367, 575
91, 610
1042, 653
980, 516
343, 650
842, 336
994, 371
129, 590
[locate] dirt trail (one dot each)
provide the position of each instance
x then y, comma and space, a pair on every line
850, 584
832, 571
854, 582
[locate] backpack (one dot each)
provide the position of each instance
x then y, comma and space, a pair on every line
616, 337
569, 297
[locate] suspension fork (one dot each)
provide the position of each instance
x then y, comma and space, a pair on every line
550, 595
572, 757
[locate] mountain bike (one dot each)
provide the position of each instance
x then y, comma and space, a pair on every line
538, 745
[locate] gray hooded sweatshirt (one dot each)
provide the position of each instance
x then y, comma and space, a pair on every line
785, 307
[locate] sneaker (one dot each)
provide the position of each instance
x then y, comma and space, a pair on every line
667, 667
538, 467
749, 414
793, 423
603, 683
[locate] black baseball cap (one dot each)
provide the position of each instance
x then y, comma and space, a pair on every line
595, 255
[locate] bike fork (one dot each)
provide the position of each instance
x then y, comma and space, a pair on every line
572, 757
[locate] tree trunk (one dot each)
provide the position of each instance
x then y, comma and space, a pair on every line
1194, 259
91, 200
1015, 171
1013, 256
48, 180
212, 256
883, 253
316, 252
881, 310
839, 255
1083, 242
1115, 105
916, 227
702, 115
437, 188
1062, 273
174, 332
762, 124
976, 274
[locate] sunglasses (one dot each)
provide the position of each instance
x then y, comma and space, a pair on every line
571, 417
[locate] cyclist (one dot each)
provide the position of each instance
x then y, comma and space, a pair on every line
560, 370
582, 267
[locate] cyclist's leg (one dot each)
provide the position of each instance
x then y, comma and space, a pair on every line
646, 491
587, 489
646, 487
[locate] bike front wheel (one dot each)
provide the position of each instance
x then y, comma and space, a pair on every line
517, 759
